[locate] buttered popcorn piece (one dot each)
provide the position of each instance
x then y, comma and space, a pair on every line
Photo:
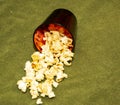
46, 70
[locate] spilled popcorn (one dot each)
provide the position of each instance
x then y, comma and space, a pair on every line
46, 70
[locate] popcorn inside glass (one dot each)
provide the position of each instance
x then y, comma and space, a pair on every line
60, 20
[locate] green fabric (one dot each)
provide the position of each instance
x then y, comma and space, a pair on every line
94, 77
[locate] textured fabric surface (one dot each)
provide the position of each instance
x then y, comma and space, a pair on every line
94, 77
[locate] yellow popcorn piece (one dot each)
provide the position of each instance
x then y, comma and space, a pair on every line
36, 66
46, 70
35, 56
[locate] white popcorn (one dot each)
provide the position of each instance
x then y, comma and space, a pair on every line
67, 61
55, 84
60, 75
45, 49
56, 34
40, 75
51, 94
34, 94
34, 85
46, 69
49, 59
64, 40
56, 45
46, 88
33, 89
28, 66
22, 85
44, 64
30, 74
59, 66
39, 101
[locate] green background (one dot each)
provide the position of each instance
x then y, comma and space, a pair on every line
94, 77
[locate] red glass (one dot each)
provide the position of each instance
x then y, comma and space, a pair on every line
60, 20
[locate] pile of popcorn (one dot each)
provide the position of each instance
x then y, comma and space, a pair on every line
46, 70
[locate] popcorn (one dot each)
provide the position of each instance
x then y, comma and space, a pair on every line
46, 69
55, 84
35, 56
39, 75
39, 101
51, 94
28, 66
46, 88
34, 93
60, 75
22, 85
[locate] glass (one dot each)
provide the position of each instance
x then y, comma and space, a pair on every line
61, 20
